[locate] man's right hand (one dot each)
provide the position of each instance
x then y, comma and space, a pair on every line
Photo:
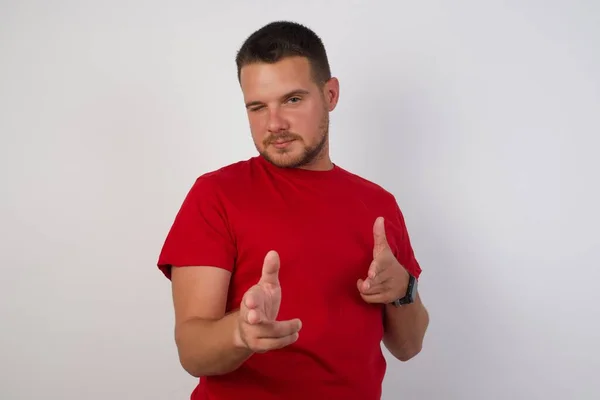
257, 329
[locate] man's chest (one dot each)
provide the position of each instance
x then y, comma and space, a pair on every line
325, 244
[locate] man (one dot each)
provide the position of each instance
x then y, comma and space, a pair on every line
287, 271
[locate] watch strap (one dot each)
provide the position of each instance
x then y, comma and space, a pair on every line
411, 291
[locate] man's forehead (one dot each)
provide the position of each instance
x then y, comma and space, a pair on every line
277, 79
290, 68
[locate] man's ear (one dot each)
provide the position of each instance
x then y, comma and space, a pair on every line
331, 91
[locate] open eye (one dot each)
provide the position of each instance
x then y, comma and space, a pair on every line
294, 99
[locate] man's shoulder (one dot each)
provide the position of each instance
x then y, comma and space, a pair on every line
227, 174
366, 185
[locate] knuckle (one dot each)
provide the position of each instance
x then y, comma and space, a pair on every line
283, 330
255, 345
292, 338
292, 328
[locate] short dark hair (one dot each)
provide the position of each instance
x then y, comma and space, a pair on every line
281, 39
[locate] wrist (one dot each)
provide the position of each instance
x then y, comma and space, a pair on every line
238, 343
408, 290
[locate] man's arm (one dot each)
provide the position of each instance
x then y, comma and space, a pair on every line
405, 328
204, 335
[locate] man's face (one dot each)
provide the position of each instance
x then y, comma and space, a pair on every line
288, 112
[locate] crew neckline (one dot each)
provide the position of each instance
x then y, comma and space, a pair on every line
299, 172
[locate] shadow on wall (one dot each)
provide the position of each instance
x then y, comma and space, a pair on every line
410, 139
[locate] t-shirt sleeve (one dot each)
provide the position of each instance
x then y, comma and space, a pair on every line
403, 250
201, 234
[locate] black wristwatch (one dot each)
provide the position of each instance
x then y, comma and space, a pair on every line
411, 293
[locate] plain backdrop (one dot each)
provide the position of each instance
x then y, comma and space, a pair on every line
482, 117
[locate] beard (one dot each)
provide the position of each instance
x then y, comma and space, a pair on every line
291, 158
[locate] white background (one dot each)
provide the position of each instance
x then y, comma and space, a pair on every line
482, 117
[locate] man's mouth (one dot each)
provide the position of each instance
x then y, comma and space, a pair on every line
280, 144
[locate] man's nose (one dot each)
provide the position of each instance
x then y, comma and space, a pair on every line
277, 122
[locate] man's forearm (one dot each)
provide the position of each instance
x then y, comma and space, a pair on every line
209, 347
405, 328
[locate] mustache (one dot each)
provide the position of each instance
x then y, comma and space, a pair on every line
281, 137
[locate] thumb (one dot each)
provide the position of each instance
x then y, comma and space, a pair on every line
270, 270
380, 242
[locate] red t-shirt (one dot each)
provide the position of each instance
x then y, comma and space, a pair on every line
321, 224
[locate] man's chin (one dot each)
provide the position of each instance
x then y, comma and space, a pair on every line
286, 159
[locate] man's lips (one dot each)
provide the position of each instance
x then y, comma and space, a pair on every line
280, 144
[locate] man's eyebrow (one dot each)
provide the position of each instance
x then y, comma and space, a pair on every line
295, 92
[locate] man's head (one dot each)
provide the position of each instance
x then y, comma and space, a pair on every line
288, 90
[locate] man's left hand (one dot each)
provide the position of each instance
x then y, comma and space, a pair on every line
387, 280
